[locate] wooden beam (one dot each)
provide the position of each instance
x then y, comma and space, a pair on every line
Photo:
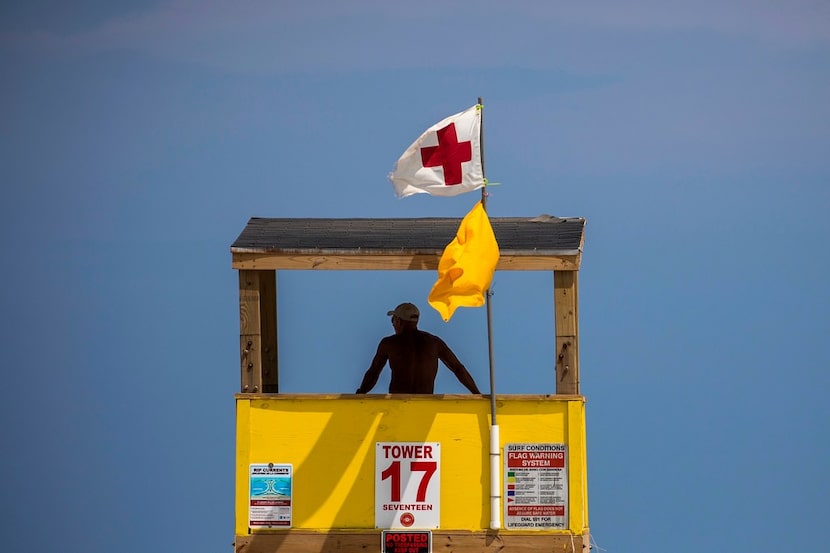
566, 319
392, 262
258, 331
357, 541
384, 397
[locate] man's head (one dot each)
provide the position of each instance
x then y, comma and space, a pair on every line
406, 313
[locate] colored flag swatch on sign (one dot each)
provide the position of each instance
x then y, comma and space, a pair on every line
445, 160
466, 268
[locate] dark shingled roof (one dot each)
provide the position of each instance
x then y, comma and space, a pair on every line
543, 235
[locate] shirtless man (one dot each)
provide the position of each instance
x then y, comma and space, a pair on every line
413, 357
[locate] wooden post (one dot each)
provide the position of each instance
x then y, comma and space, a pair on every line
566, 319
258, 331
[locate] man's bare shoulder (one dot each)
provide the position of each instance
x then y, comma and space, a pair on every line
424, 335
432, 337
387, 340
417, 335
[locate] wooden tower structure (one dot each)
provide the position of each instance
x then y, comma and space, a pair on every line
322, 472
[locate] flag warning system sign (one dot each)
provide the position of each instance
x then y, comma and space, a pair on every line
407, 485
536, 486
270, 496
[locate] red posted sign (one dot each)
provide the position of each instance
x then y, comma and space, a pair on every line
407, 541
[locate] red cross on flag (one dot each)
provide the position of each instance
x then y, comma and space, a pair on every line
445, 160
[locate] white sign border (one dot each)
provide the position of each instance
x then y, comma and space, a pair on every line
290, 497
426, 519
508, 524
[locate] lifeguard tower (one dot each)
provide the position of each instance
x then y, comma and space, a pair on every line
405, 473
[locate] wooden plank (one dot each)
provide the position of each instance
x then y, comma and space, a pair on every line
268, 316
258, 331
249, 300
539, 263
577, 467
445, 541
250, 362
243, 455
386, 262
566, 320
567, 365
383, 397
565, 293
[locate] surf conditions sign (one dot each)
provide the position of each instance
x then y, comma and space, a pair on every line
536, 486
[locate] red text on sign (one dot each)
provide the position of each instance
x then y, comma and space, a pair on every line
393, 471
407, 451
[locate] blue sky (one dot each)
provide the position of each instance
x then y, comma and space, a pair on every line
137, 138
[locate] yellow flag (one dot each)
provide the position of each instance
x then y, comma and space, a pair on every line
467, 265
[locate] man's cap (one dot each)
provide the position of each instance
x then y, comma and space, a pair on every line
406, 312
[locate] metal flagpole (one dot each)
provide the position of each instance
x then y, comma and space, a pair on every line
495, 449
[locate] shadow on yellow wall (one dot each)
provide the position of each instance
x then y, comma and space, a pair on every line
330, 441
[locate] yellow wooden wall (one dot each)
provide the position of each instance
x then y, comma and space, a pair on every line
330, 440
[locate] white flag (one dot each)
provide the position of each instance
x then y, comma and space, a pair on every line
445, 160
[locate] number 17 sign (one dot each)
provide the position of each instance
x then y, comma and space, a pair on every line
407, 485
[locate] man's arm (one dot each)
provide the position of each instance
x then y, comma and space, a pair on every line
372, 375
458, 369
